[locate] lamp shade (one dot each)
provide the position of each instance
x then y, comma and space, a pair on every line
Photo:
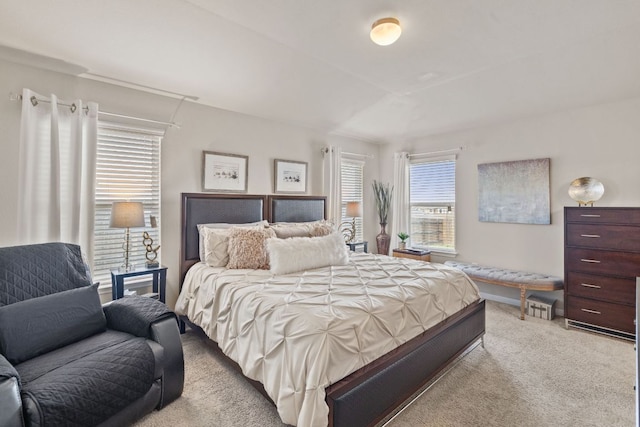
354, 209
127, 215
385, 31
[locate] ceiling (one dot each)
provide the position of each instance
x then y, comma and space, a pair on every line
458, 64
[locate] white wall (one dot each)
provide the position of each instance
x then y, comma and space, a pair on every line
203, 128
601, 141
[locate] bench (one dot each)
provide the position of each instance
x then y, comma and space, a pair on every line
510, 278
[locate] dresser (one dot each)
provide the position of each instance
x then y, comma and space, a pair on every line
601, 262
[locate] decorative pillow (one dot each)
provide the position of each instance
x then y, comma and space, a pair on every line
306, 223
285, 230
321, 229
216, 246
36, 326
247, 247
220, 226
304, 253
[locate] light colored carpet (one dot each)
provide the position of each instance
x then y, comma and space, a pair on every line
530, 373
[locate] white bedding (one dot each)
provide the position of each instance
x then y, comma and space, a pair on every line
300, 332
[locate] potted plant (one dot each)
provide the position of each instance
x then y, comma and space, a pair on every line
383, 194
403, 240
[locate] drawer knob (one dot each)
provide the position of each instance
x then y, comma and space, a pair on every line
586, 310
590, 215
591, 236
592, 261
588, 285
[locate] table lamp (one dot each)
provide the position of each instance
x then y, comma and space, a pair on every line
126, 215
348, 228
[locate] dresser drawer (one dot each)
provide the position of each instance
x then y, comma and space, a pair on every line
603, 215
622, 264
620, 237
604, 314
605, 288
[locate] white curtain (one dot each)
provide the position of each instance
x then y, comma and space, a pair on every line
400, 211
57, 171
333, 183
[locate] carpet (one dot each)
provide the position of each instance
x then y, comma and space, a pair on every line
530, 373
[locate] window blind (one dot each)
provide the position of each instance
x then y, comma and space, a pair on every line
432, 189
352, 173
127, 168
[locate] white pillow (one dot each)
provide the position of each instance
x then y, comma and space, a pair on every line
304, 253
219, 225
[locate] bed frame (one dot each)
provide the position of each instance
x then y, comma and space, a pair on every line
375, 392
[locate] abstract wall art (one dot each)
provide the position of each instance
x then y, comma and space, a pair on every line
514, 192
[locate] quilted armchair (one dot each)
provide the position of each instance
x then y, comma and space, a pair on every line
65, 359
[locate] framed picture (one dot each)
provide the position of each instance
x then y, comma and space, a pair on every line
290, 176
224, 172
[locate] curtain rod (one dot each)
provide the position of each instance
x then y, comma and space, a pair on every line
438, 153
35, 101
325, 150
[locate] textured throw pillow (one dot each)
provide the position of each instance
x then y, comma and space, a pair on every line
220, 226
36, 326
304, 253
247, 247
285, 230
288, 231
321, 229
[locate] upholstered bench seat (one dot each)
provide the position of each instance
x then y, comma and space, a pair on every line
511, 278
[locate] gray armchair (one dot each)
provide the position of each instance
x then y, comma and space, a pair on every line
67, 360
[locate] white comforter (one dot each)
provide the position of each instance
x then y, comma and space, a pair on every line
300, 332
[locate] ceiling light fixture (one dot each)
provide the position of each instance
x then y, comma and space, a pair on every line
385, 31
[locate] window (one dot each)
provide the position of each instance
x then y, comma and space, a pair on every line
352, 190
432, 188
127, 168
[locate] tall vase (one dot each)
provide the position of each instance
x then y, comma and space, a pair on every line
383, 240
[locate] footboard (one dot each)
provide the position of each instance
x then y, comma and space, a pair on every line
370, 394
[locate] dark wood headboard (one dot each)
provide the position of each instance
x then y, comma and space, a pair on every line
296, 208
204, 208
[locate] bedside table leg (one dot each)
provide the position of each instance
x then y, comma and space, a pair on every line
523, 297
162, 286
119, 288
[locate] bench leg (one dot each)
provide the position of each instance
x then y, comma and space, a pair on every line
523, 297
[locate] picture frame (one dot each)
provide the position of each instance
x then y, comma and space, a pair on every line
290, 176
224, 172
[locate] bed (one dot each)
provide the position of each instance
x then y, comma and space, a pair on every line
370, 389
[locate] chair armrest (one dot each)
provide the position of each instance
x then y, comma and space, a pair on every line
10, 401
166, 333
135, 314
149, 318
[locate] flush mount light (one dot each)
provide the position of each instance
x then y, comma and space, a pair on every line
385, 31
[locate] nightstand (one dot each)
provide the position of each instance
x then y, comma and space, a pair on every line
355, 245
417, 254
159, 280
